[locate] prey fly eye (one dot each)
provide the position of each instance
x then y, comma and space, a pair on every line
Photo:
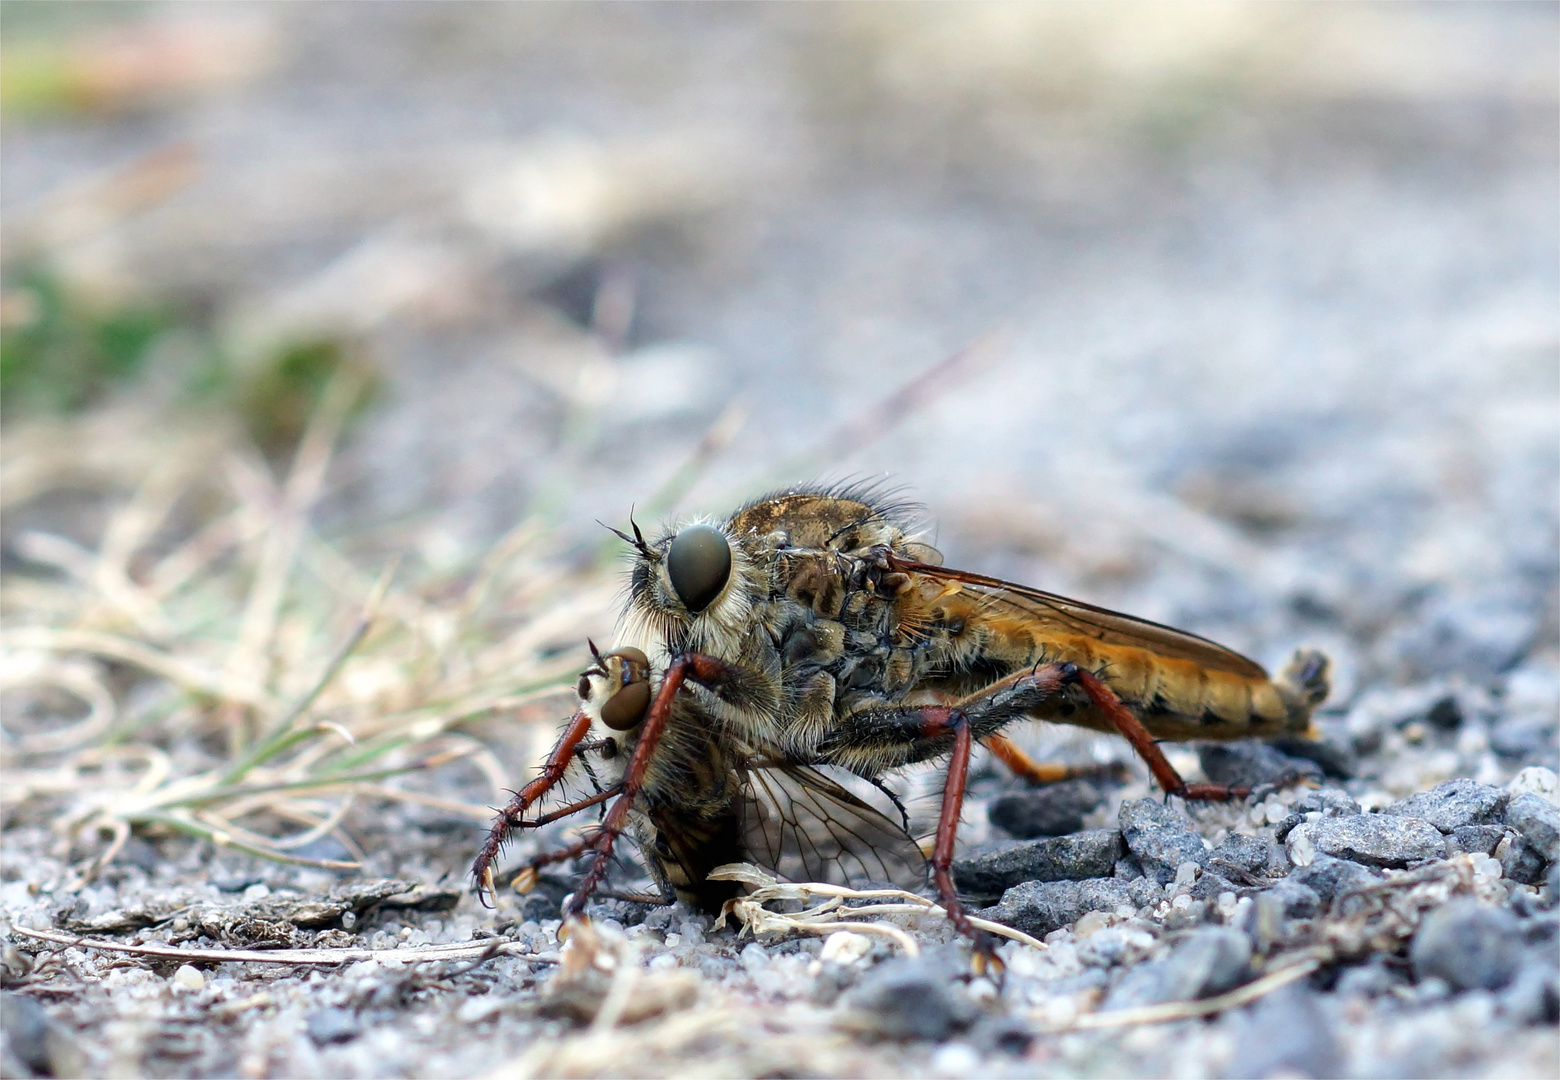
699, 563
625, 709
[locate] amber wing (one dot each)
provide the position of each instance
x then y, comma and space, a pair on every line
1074, 617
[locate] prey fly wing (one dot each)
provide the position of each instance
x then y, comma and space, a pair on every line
805, 826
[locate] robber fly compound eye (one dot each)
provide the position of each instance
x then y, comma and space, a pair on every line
626, 708
699, 564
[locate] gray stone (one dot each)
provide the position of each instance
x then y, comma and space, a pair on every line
26, 1028
1038, 907
1327, 801
1160, 838
1469, 945
1374, 839
908, 1000
1210, 884
1538, 820
1251, 762
1055, 810
1454, 803
1300, 901
1210, 961
1524, 735
1286, 1034
1519, 861
1478, 838
333, 1025
1088, 854
1338, 762
1250, 853
1533, 997
1331, 878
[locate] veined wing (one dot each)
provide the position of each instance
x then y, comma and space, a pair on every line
806, 827
1079, 618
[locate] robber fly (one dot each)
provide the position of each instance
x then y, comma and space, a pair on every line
814, 628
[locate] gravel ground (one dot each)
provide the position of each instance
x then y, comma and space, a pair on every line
1270, 296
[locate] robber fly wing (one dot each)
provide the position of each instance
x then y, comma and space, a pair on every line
806, 827
1080, 618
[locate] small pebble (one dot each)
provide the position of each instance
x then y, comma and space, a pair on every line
1055, 810
1160, 838
189, 978
1251, 762
1535, 780
1038, 907
1090, 854
1454, 803
910, 1000
1538, 820
1469, 945
1371, 839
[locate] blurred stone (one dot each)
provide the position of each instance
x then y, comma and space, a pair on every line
1210, 884
908, 1000
1454, 803
1371, 839
1519, 860
334, 1025
1538, 820
1478, 838
1286, 1034
1329, 801
1250, 763
1524, 735
1250, 853
1300, 901
1338, 762
1445, 714
43, 1046
1210, 961
1537, 780
1331, 878
1055, 810
1469, 945
1038, 907
1533, 996
1160, 838
1089, 854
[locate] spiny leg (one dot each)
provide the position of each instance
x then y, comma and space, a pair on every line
706, 670
1041, 773
1132, 729
925, 731
512, 816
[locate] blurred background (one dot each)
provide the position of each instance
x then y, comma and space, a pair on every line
1237, 316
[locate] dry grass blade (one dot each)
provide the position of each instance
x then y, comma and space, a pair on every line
195, 589
1191, 1010
304, 957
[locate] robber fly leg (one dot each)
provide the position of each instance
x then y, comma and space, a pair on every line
1132, 729
512, 816
1042, 772
985, 959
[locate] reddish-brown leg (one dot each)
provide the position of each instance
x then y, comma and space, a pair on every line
1132, 729
938, 722
702, 668
1038, 772
511, 816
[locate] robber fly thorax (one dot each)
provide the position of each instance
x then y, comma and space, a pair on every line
816, 628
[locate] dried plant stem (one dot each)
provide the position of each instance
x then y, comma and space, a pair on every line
424, 955
1190, 1010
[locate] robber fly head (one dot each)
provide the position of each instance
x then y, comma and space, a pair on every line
691, 587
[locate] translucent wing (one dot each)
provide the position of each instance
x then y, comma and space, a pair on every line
806, 827
1078, 618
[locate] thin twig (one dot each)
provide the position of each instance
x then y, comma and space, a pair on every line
422, 955
1190, 1010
